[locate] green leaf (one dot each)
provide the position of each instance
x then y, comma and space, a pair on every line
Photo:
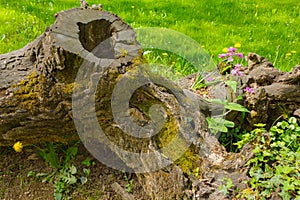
240, 97
50, 156
266, 192
70, 153
47, 177
292, 127
219, 124
229, 183
217, 101
228, 124
282, 124
30, 173
276, 180
268, 172
232, 84
223, 189
73, 169
283, 169
57, 196
72, 180
260, 125
69, 179
292, 120
87, 171
86, 162
267, 153
285, 195
228, 105
257, 174
288, 186
236, 107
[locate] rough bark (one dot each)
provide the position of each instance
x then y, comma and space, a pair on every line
276, 94
37, 81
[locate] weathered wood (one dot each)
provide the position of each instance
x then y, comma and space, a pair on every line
276, 94
37, 83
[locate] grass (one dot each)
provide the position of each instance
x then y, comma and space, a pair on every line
269, 28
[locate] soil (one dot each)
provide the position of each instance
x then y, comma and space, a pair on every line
15, 183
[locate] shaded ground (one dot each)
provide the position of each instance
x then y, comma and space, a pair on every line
15, 184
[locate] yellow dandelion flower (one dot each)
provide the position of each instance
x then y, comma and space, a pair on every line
173, 63
132, 7
18, 146
165, 54
225, 50
202, 46
293, 51
256, 6
288, 54
237, 45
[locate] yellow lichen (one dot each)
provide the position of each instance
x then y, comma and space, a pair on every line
25, 93
123, 52
68, 88
188, 161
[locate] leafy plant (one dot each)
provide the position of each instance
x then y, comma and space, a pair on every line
49, 155
86, 162
275, 167
229, 132
219, 124
65, 181
225, 189
65, 174
130, 184
229, 105
232, 85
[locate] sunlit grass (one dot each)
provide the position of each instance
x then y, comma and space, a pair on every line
269, 27
168, 64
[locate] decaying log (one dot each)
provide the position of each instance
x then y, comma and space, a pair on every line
38, 92
36, 82
276, 94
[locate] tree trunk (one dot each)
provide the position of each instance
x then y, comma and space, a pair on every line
36, 82
86, 74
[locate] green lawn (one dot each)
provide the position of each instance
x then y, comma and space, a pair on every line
269, 28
